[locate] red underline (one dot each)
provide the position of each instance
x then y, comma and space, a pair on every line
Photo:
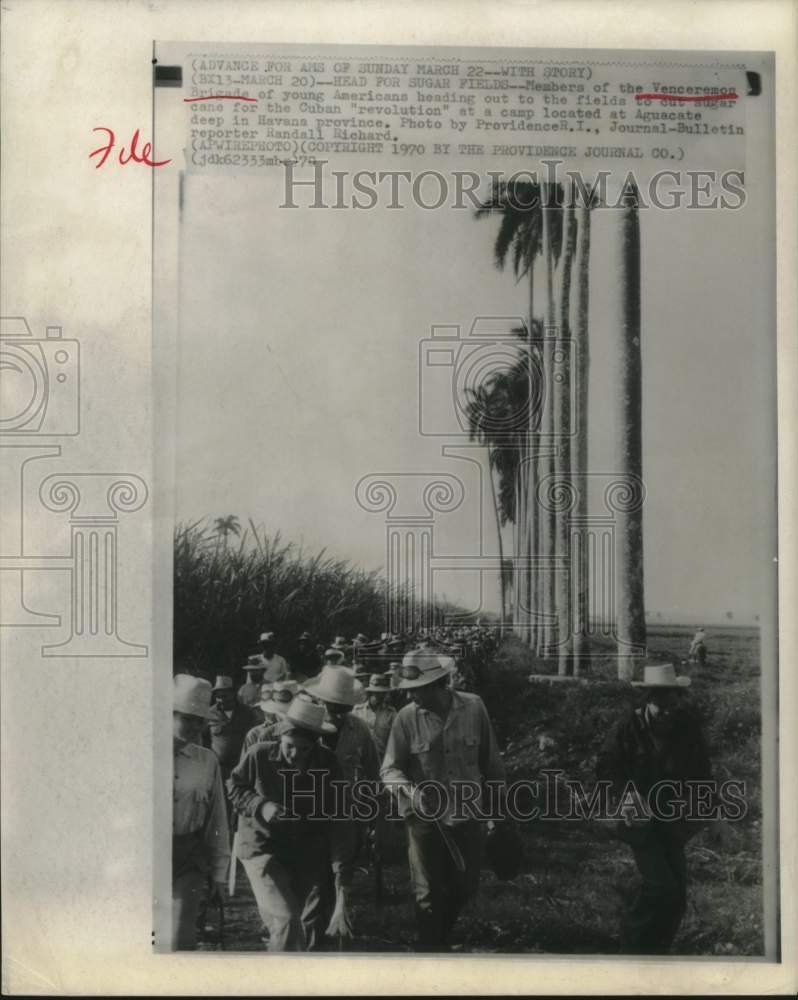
220, 97
681, 97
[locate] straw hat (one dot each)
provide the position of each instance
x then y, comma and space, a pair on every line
360, 638
333, 651
662, 675
379, 684
223, 683
266, 637
336, 685
254, 668
281, 697
192, 696
303, 714
420, 668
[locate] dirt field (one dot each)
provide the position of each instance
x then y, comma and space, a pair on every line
575, 877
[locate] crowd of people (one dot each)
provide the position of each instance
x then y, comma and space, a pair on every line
294, 772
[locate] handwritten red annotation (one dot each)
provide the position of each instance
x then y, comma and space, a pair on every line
220, 97
683, 97
124, 159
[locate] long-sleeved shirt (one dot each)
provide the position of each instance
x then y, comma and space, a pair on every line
225, 736
199, 816
633, 752
264, 776
379, 723
461, 748
266, 732
356, 751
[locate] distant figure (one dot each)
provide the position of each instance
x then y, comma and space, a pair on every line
376, 712
273, 665
228, 723
249, 692
698, 649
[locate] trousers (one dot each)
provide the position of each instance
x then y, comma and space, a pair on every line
439, 890
292, 894
188, 892
650, 924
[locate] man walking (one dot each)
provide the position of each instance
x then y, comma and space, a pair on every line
228, 724
200, 835
377, 714
443, 737
658, 742
291, 829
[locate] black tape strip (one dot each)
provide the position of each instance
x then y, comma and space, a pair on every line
167, 76
754, 84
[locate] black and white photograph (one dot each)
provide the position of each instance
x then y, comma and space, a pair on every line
397, 551
474, 526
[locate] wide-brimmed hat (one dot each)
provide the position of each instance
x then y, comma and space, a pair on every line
336, 685
282, 695
360, 638
192, 695
379, 684
303, 714
339, 642
306, 636
421, 667
254, 668
661, 675
223, 683
334, 651
266, 637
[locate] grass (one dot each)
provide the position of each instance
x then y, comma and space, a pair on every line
576, 878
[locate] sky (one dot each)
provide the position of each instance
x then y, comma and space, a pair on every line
298, 374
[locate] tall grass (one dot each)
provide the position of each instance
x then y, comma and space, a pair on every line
226, 593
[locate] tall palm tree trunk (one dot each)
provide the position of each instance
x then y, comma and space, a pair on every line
547, 512
530, 470
629, 596
579, 451
495, 497
562, 429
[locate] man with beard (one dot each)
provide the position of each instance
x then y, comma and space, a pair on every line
660, 741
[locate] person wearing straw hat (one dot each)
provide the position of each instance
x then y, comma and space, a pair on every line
249, 693
273, 665
377, 714
648, 757
228, 724
339, 692
200, 833
275, 701
334, 657
305, 661
443, 737
291, 829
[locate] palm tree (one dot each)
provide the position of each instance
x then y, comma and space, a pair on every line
519, 235
224, 526
629, 594
579, 452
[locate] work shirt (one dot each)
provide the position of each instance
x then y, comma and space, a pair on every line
264, 776
355, 750
461, 748
201, 836
266, 732
634, 752
275, 669
379, 723
225, 735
